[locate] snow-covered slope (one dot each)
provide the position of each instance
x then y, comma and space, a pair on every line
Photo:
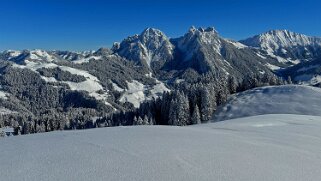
29, 55
266, 148
289, 99
136, 92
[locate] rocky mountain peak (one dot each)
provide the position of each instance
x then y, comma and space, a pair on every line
150, 46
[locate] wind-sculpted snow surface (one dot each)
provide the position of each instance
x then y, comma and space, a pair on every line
268, 147
290, 99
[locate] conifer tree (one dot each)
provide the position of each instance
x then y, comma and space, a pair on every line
196, 118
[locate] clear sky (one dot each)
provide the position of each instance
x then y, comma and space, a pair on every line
90, 24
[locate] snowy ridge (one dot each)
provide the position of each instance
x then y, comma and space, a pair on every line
86, 60
236, 44
276, 39
286, 46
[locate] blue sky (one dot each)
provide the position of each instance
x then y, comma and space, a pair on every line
90, 24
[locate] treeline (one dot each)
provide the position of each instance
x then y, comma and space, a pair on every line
189, 102
196, 103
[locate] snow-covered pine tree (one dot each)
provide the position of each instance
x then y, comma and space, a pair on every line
140, 121
146, 120
135, 120
206, 105
290, 80
172, 116
183, 112
232, 84
196, 118
151, 121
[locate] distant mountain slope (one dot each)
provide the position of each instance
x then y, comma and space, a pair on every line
286, 46
266, 148
289, 99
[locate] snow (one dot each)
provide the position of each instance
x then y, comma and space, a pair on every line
12, 53
158, 89
117, 88
7, 129
272, 67
191, 42
261, 56
308, 79
178, 81
265, 148
86, 60
87, 85
79, 72
289, 99
279, 40
135, 93
238, 45
6, 111
90, 85
3, 95
275, 135
306, 68
41, 55
284, 38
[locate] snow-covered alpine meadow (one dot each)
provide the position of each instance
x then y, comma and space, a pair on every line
264, 146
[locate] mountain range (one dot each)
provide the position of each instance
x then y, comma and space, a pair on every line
143, 66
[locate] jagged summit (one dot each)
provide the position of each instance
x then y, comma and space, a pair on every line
151, 46
201, 29
152, 32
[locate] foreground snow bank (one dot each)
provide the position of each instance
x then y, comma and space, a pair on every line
268, 147
289, 99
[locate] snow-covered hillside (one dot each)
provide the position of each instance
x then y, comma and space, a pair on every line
269, 147
289, 99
